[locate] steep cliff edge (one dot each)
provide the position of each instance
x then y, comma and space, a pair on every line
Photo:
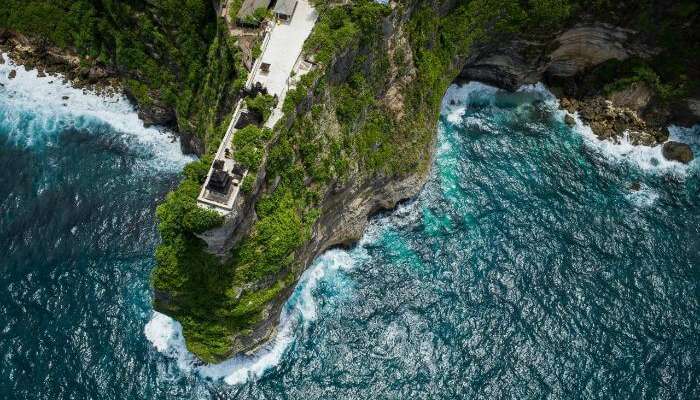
357, 138
359, 133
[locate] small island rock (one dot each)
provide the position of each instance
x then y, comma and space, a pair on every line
677, 151
569, 120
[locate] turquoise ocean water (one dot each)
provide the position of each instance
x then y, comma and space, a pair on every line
526, 268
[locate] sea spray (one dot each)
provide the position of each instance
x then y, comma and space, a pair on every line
37, 110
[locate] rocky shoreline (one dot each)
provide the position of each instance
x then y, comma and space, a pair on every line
612, 123
566, 64
84, 73
54, 62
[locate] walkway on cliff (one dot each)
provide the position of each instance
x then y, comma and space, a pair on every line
277, 69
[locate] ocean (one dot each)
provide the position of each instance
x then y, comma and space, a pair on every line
528, 267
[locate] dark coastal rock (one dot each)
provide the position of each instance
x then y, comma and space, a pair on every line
506, 66
635, 186
40, 72
97, 73
574, 51
569, 120
65, 97
190, 144
686, 113
2, 59
677, 151
636, 97
609, 122
12, 74
156, 115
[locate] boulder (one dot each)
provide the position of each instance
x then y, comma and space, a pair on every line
2, 59
677, 151
156, 114
569, 120
12, 74
96, 74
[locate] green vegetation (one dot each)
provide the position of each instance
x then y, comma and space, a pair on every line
171, 53
631, 71
248, 181
252, 20
249, 145
262, 105
233, 7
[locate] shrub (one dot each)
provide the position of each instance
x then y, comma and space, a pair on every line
262, 105
248, 181
249, 144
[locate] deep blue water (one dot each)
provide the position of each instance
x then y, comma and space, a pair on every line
527, 268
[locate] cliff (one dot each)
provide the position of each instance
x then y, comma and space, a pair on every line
359, 133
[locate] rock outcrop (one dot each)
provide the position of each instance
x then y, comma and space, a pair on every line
156, 114
516, 63
676, 151
35, 54
609, 122
585, 46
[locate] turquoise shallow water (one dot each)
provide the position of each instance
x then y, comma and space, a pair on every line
526, 268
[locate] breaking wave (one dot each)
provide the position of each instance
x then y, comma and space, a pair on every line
301, 309
648, 159
35, 111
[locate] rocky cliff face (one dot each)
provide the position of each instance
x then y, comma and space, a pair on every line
565, 62
347, 204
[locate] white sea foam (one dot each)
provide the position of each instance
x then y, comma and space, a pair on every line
649, 159
51, 114
301, 309
457, 97
642, 198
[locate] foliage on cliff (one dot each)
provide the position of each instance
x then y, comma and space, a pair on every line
172, 53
